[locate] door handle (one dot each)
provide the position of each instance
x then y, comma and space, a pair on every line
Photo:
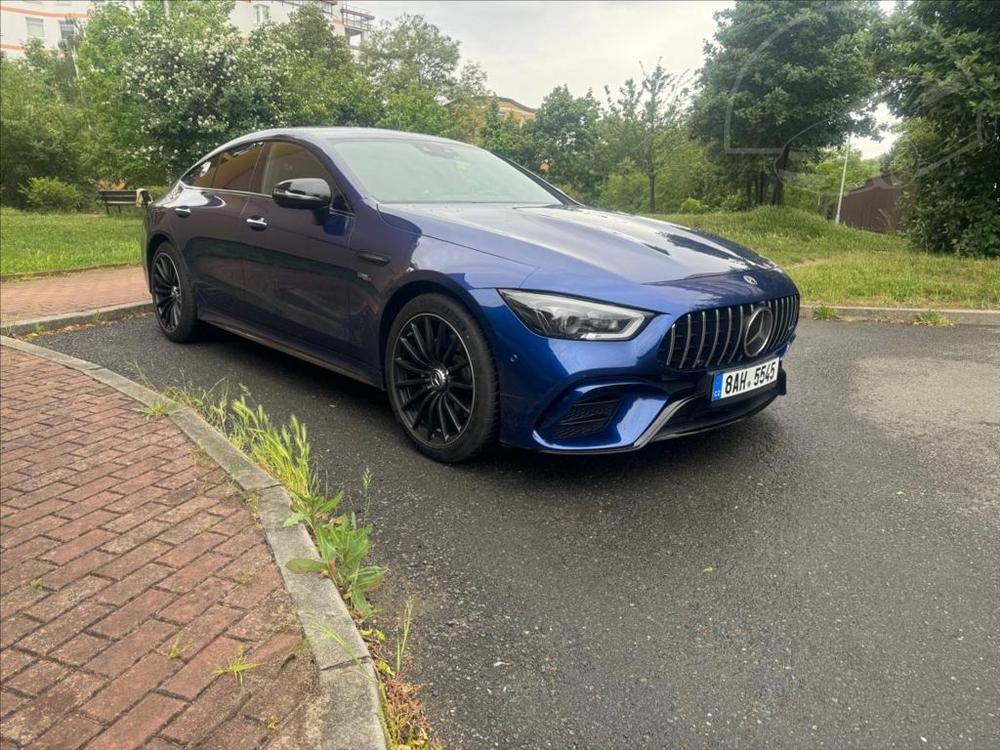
373, 258
182, 211
258, 223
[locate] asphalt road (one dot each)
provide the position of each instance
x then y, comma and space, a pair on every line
826, 574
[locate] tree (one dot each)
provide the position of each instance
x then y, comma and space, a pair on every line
324, 84
567, 142
409, 52
416, 70
39, 130
505, 136
643, 120
942, 67
165, 89
784, 77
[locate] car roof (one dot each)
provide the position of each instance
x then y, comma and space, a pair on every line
339, 133
322, 136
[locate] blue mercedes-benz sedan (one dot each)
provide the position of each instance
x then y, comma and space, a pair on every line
489, 305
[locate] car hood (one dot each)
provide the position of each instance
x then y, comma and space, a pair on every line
601, 254
570, 238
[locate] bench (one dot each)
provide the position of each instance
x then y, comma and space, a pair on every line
121, 198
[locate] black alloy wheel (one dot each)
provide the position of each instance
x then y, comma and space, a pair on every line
166, 292
173, 295
441, 379
433, 379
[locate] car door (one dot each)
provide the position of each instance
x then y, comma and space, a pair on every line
208, 213
297, 262
203, 226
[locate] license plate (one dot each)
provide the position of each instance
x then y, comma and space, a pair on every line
735, 382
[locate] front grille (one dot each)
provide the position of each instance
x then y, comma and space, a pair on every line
714, 338
589, 415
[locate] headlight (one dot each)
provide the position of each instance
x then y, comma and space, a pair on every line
561, 317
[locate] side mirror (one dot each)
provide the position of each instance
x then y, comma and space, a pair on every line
310, 193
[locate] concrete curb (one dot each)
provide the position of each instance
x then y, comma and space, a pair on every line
52, 322
352, 713
906, 314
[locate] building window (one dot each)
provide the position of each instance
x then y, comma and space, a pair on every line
263, 13
36, 27
67, 30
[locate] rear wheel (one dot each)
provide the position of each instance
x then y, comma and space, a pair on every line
441, 379
173, 295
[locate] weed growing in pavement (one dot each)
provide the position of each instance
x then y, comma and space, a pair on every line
284, 451
343, 546
176, 648
158, 409
243, 578
272, 723
313, 509
36, 583
236, 666
825, 312
403, 719
932, 318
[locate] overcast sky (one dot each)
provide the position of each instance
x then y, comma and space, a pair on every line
528, 47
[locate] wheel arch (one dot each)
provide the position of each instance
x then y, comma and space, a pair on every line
154, 241
413, 288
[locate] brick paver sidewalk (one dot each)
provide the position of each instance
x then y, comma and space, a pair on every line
130, 570
70, 293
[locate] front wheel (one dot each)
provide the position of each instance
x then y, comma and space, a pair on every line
441, 379
173, 295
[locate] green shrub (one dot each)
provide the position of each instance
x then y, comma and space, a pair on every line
694, 206
51, 194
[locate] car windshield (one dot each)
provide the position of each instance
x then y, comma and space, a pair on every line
420, 171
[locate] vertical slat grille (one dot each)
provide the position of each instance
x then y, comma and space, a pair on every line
714, 338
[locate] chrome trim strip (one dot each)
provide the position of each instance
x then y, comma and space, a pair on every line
729, 333
687, 341
701, 340
715, 339
661, 419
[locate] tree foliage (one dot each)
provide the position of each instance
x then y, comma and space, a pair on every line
40, 129
941, 66
784, 77
643, 123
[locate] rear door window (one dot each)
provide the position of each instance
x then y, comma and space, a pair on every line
235, 167
201, 176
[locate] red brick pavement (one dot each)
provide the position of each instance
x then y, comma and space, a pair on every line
73, 292
117, 541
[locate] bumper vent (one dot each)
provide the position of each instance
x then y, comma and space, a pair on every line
589, 415
715, 338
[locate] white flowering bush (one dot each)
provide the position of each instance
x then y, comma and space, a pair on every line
164, 90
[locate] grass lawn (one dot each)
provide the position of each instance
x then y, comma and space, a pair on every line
838, 265
32, 243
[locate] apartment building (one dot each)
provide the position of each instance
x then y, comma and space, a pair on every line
52, 21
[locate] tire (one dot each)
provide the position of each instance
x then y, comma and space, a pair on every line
174, 305
441, 379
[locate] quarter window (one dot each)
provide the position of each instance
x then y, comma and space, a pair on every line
234, 170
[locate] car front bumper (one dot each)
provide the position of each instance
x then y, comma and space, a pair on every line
583, 397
